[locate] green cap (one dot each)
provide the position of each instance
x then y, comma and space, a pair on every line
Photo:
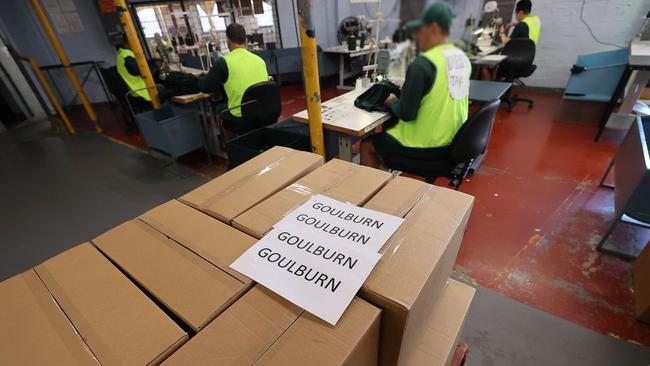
439, 12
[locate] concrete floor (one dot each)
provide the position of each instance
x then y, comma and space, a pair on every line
60, 190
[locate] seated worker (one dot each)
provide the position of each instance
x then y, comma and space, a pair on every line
526, 26
434, 99
235, 72
127, 68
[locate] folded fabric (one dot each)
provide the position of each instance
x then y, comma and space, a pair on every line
373, 98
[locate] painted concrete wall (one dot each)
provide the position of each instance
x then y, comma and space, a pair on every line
328, 14
25, 33
564, 36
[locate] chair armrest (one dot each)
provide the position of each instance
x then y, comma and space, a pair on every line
237, 106
130, 92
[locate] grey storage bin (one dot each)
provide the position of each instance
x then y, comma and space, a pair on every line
171, 131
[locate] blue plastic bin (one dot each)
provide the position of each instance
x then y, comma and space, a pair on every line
171, 131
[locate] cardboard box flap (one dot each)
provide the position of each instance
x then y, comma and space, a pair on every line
35, 331
358, 186
413, 252
311, 341
417, 260
206, 236
436, 344
337, 178
398, 196
119, 323
188, 285
242, 333
241, 188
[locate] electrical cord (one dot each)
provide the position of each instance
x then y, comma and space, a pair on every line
582, 8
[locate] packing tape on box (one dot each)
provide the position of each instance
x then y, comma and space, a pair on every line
306, 192
205, 205
36, 288
181, 239
413, 215
76, 317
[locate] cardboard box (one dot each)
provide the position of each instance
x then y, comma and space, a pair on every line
204, 235
35, 331
120, 324
262, 328
338, 179
642, 285
189, 286
436, 345
417, 260
239, 189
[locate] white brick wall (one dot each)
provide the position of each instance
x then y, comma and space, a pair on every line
564, 36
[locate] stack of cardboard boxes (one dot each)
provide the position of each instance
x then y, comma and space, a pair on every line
141, 290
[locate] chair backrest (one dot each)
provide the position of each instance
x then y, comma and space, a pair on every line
114, 82
472, 138
265, 109
520, 52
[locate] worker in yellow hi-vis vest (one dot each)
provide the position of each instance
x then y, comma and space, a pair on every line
233, 74
433, 102
127, 68
526, 26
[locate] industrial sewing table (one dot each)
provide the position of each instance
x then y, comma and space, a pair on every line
352, 123
215, 145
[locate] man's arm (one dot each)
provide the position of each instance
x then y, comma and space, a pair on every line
217, 75
418, 82
520, 31
132, 66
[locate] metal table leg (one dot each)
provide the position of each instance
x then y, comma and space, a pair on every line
341, 71
345, 148
622, 82
602, 181
207, 132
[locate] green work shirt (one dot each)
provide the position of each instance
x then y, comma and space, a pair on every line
444, 107
235, 72
519, 31
527, 28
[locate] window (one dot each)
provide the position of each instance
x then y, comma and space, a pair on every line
218, 22
149, 21
266, 19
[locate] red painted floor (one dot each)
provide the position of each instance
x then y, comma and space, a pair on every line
538, 214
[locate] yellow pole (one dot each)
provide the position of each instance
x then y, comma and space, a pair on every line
312, 79
136, 47
50, 94
65, 62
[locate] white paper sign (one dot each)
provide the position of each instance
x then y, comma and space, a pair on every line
458, 72
311, 269
345, 223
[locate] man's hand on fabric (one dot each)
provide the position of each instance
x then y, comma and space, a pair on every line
389, 100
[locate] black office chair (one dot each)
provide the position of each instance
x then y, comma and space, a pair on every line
468, 144
118, 88
260, 107
519, 64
